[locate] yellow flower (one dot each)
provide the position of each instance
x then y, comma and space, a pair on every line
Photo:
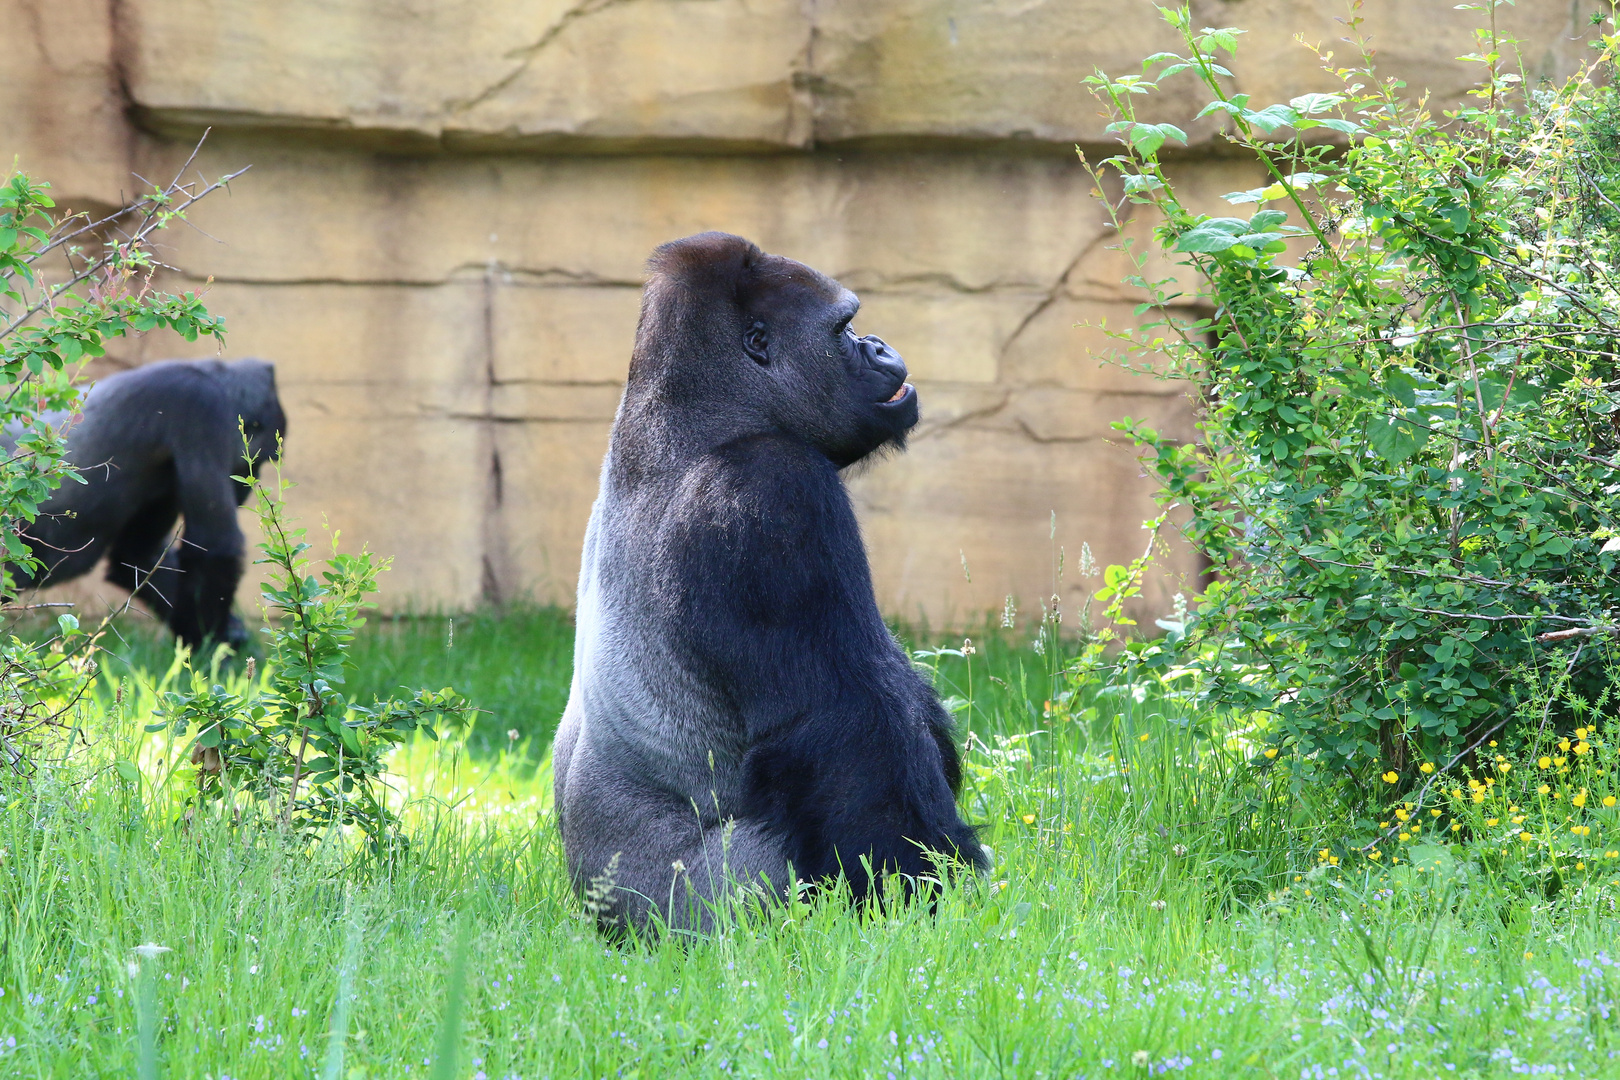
1405, 836
1608, 800
1456, 826
1383, 824
1503, 767
1527, 838
1333, 860
1580, 732
1581, 747
1479, 796
1543, 789
1435, 812
1029, 819
1580, 866
1493, 742
1519, 820
1426, 768
1490, 822
1611, 854
1271, 751
1401, 815
1142, 737
1472, 783
1391, 776
1375, 855
1581, 830
1544, 762
1578, 800
1559, 761
1563, 744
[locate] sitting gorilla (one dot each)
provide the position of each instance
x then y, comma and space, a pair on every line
739, 712
153, 444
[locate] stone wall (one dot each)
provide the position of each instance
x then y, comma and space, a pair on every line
442, 236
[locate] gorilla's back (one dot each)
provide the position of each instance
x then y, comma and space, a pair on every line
635, 701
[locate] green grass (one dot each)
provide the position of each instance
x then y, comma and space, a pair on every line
1135, 923
515, 664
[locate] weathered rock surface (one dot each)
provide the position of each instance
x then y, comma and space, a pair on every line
442, 238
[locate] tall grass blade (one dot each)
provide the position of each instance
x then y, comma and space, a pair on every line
448, 1042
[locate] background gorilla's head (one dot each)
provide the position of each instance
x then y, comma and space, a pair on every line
250, 390
748, 343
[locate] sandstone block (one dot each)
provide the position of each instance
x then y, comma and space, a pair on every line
571, 74
989, 498
1011, 69
60, 113
549, 475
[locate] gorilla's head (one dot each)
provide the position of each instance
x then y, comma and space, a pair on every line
759, 344
250, 388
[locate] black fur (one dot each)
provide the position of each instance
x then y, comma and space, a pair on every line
750, 678
154, 444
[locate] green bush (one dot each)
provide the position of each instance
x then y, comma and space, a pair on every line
99, 288
1406, 477
291, 740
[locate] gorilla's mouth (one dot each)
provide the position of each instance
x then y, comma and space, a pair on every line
900, 394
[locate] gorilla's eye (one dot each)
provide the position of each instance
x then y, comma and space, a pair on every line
756, 344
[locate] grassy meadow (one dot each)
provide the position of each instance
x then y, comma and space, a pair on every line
1163, 902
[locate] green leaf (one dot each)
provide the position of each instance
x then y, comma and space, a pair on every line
1396, 437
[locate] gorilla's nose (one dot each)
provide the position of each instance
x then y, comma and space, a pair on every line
883, 358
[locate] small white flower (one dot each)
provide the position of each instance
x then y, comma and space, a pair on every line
150, 951
1140, 1059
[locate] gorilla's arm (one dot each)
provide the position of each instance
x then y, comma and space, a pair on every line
851, 753
210, 549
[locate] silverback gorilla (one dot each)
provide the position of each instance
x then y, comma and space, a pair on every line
153, 444
739, 711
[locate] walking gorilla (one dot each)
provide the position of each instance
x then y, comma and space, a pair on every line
739, 711
153, 444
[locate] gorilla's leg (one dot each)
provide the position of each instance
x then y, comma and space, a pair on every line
636, 849
150, 562
142, 559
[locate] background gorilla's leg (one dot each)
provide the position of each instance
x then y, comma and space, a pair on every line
143, 560
210, 555
664, 855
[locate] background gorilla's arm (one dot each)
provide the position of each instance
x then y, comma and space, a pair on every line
210, 549
850, 749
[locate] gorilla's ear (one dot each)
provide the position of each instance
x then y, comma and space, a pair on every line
756, 343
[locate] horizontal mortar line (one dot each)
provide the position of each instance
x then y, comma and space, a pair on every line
568, 281
506, 418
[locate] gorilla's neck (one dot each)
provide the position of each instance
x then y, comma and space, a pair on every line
657, 432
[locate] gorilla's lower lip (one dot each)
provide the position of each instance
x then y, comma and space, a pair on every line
905, 388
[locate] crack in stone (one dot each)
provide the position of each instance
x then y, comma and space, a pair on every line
527, 53
932, 430
1051, 295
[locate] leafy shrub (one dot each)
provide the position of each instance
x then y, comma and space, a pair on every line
103, 275
1406, 479
290, 739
